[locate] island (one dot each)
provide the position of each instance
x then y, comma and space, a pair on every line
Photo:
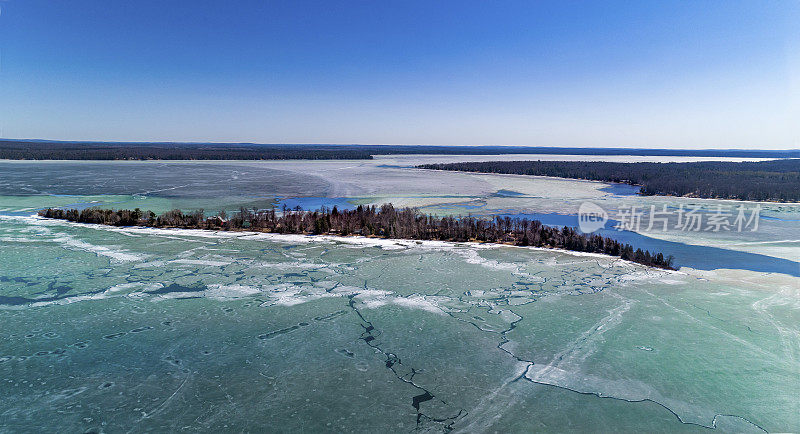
372, 221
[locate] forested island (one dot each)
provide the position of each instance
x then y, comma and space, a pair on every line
86, 150
774, 180
385, 221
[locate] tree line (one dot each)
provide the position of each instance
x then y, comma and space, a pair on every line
775, 180
27, 150
69, 150
384, 221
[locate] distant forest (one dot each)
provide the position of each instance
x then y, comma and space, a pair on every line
385, 221
58, 150
25, 150
776, 180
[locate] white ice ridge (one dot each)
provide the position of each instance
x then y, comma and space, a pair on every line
116, 254
69, 241
290, 295
135, 289
376, 299
201, 262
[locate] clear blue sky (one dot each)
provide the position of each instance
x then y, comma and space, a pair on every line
688, 74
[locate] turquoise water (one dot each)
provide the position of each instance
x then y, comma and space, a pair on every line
134, 329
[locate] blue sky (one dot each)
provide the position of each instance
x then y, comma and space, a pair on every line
699, 74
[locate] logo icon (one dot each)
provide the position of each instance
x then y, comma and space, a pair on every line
591, 217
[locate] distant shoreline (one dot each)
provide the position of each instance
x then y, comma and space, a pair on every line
775, 181
163, 151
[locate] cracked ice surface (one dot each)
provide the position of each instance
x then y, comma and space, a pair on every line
145, 329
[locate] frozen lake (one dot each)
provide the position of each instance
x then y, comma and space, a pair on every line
109, 329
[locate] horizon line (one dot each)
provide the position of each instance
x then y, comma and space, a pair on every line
158, 142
